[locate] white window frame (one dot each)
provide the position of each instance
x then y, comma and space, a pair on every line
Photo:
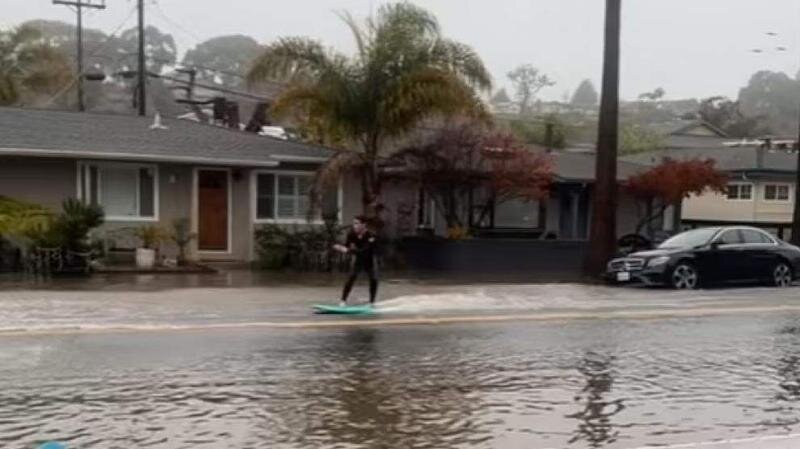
86, 187
430, 208
277, 220
739, 185
777, 185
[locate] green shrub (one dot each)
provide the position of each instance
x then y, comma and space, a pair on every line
151, 236
303, 248
272, 247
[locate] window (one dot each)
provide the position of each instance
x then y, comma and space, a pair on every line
517, 214
285, 197
731, 237
426, 207
776, 192
125, 191
740, 191
755, 237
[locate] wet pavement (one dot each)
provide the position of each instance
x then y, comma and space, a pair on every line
245, 365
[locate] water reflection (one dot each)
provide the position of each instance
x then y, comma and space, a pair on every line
360, 388
595, 426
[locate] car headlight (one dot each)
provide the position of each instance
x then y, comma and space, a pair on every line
656, 261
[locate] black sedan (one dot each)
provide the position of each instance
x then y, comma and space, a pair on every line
711, 256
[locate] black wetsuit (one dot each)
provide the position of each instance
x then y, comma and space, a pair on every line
363, 250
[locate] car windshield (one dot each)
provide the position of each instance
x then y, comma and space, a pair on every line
690, 239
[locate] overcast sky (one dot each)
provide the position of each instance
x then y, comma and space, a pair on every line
691, 48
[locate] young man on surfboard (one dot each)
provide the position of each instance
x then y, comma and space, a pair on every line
360, 244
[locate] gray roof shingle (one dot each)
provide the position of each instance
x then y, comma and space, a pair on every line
580, 167
107, 136
728, 159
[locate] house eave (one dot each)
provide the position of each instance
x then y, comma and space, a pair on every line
290, 158
137, 157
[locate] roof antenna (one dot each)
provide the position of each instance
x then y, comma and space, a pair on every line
157, 122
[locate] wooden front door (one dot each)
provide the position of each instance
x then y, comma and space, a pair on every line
212, 213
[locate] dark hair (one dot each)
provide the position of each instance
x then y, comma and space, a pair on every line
361, 218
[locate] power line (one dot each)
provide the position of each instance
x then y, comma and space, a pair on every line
91, 55
79, 5
163, 15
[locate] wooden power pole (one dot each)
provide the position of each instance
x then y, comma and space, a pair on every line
79, 5
142, 63
603, 232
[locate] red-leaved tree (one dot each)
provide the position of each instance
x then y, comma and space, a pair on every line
670, 182
458, 162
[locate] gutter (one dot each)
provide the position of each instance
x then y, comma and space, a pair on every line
287, 158
138, 157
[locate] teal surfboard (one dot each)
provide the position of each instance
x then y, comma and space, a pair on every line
346, 310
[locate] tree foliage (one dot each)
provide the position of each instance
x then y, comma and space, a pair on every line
500, 97
726, 115
463, 159
404, 72
655, 95
535, 133
223, 59
528, 81
672, 181
30, 68
585, 95
775, 97
109, 55
635, 138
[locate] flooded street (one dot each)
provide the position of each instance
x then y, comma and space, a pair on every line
555, 366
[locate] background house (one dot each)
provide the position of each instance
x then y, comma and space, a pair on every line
564, 215
762, 179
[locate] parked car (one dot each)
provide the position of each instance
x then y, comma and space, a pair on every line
709, 256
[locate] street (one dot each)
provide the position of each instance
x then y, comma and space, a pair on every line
512, 366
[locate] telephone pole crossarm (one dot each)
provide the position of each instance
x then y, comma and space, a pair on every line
79, 5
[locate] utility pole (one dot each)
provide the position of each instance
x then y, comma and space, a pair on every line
603, 232
79, 5
795, 237
142, 63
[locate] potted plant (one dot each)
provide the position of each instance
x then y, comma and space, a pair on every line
151, 236
182, 237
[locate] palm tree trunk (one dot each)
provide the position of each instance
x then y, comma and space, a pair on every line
602, 236
795, 237
371, 183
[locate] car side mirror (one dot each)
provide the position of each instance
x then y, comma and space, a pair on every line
714, 245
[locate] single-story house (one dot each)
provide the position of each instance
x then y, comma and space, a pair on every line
146, 171
564, 215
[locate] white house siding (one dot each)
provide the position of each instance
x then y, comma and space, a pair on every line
773, 211
716, 207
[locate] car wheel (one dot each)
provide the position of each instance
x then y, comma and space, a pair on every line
782, 275
684, 277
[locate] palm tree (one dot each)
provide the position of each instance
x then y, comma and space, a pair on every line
602, 236
404, 72
29, 66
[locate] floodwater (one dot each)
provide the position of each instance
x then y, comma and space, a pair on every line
557, 366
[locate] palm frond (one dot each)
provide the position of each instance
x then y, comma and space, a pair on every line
290, 57
404, 18
424, 94
463, 60
360, 35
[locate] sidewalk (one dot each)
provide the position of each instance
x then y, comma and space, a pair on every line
791, 441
